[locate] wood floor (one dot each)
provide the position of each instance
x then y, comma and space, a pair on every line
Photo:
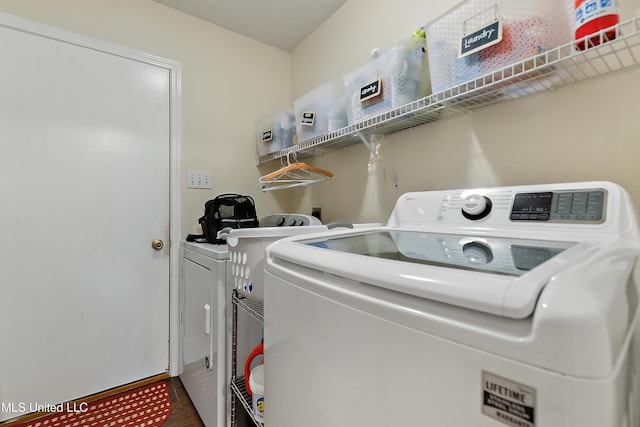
183, 413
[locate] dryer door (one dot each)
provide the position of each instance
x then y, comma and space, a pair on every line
197, 314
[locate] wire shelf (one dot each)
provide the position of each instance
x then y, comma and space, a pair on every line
254, 308
239, 389
237, 385
554, 68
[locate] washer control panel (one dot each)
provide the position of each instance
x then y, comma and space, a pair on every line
568, 204
564, 206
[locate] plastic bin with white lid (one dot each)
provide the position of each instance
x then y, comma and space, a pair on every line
256, 380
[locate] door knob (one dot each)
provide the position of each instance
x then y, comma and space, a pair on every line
157, 244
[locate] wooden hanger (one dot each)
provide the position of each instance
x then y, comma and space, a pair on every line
296, 174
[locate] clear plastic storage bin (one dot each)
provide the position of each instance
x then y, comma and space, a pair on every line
321, 111
528, 28
275, 133
397, 76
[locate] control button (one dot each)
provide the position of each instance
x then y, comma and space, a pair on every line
280, 222
596, 197
564, 203
477, 253
579, 205
294, 222
476, 206
595, 204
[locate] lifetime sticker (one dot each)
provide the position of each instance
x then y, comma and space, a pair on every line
507, 401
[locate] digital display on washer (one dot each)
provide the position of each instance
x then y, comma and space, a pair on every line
566, 206
512, 257
532, 206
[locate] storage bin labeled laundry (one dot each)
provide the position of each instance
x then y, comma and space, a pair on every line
275, 133
396, 77
478, 37
321, 111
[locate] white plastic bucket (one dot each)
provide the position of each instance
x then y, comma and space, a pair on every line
256, 381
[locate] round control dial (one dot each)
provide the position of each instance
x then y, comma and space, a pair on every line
477, 253
476, 206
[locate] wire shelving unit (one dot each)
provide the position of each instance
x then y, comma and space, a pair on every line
239, 394
554, 68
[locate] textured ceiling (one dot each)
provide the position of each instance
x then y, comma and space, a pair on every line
279, 23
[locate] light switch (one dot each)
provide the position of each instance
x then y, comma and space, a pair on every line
199, 179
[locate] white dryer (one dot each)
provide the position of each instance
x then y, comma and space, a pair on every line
205, 338
513, 306
203, 324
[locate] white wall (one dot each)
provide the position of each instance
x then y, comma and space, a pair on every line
228, 82
586, 131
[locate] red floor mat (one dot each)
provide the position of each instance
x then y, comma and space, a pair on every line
148, 406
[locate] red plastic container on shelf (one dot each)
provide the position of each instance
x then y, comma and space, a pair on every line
257, 351
593, 16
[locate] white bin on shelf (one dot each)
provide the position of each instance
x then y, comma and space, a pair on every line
397, 76
275, 133
526, 27
321, 111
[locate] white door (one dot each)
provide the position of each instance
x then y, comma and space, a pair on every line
84, 190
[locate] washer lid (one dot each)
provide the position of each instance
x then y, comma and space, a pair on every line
502, 276
511, 257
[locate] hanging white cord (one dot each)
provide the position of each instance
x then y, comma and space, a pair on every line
375, 154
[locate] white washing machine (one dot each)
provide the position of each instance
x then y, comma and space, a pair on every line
513, 306
203, 309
